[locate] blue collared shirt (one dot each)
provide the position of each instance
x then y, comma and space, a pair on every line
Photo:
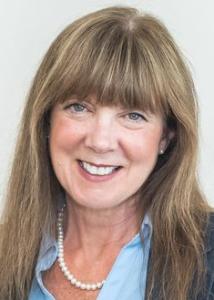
126, 280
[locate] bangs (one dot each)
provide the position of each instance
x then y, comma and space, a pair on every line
110, 64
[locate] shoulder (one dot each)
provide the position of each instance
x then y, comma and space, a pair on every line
209, 259
209, 237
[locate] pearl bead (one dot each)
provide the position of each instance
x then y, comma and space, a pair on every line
83, 286
73, 280
64, 269
78, 283
69, 276
62, 264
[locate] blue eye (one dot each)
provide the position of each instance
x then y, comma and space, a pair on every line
134, 116
76, 107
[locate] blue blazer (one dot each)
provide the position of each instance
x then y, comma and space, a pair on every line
208, 293
208, 290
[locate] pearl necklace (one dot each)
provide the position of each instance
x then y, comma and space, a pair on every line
77, 283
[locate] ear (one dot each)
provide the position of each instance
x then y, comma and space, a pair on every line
167, 136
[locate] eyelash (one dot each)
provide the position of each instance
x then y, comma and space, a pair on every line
138, 115
72, 106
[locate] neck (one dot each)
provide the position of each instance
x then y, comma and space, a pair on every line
94, 231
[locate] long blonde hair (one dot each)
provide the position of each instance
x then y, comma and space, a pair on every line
125, 56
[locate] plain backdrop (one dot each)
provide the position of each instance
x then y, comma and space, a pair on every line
27, 27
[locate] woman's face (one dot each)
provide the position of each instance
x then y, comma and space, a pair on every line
102, 155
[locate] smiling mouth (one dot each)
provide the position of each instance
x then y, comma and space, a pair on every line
96, 170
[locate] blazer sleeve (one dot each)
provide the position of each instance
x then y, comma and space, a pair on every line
208, 293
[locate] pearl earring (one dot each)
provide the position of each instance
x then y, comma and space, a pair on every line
161, 151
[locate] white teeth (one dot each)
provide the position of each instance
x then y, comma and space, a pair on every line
97, 170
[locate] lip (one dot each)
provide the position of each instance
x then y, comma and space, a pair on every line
99, 165
97, 178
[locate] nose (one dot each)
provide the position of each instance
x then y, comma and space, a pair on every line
101, 136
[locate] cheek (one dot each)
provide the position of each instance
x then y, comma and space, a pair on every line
65, 136
143, 147
64, 140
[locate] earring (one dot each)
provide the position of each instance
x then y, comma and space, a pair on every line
161, 151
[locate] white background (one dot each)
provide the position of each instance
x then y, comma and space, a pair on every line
27, 27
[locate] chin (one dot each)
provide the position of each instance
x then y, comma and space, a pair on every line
97, 202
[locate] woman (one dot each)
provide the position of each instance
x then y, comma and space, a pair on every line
103, 200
